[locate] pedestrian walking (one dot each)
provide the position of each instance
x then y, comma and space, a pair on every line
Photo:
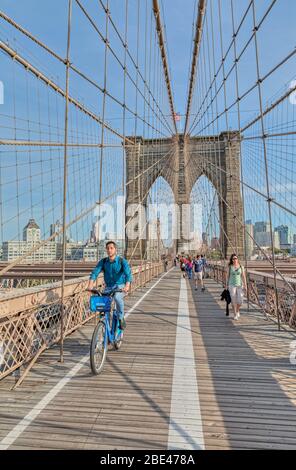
198, 272
189, 267
236, 282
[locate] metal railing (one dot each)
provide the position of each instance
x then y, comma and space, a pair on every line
30, 319
262, 293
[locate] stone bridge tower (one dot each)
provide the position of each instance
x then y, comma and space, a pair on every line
181, 162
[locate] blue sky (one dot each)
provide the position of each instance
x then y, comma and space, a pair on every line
47, 21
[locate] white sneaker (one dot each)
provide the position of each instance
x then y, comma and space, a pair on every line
236, 317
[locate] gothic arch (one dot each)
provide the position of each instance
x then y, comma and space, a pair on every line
204, 192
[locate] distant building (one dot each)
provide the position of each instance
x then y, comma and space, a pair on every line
57, 227
285, 236
264, 239
15, 249
93, 252
53, 250
31, 232
249, 239
259, 228
262, 227
74, 251
94, 234
276, 240
11, 250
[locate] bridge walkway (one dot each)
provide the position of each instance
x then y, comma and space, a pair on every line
187, 377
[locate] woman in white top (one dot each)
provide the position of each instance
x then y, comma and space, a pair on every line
235, 283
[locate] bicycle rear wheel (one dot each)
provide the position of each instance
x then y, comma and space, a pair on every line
98, 351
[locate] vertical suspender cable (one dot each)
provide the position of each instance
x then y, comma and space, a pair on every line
124, 100
65, 180
197, 41
164, 60
103, 124
240, 144
269, 200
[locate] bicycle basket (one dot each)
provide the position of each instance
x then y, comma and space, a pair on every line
100, 304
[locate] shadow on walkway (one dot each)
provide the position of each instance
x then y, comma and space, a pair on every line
251, 407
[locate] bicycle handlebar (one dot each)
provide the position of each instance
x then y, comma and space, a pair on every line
98, 292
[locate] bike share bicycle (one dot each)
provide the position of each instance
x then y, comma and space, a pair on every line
107, 330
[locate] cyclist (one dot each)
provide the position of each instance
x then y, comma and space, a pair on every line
117, 274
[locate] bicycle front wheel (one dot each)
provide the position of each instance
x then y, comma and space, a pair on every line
98, 351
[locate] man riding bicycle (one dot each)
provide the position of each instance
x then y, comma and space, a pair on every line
117, 273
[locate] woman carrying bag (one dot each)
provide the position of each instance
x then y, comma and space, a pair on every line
235, 283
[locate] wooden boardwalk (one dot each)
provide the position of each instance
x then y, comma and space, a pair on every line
243, 385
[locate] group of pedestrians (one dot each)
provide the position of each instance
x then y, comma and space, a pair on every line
235, 283
193, 267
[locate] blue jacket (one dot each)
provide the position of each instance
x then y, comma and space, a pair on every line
198, 265
115, 273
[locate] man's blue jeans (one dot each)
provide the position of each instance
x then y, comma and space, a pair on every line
119, 302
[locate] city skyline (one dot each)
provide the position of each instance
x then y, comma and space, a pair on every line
93, 247
57, 225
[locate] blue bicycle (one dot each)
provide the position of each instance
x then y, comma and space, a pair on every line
107, 330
